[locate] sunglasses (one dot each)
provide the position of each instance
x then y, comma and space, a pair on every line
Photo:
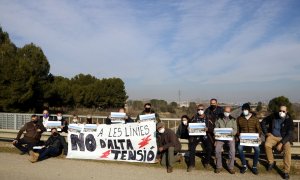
282, 111
200, 109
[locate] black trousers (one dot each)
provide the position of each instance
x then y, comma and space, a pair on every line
208, 148
28, 145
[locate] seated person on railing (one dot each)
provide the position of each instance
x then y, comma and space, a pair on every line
64, 122
182, 130
53, 147
226, 121
278, 128
169, 146
127, 118
34, 130
46, 117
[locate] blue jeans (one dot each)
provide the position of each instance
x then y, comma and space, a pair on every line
48, 152
255, 157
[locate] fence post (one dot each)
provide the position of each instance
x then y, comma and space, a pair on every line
15, 121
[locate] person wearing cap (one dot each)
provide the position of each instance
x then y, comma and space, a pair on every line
278, 128
34, 130
247, 122
169, 146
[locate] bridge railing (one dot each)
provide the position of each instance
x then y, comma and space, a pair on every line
15, 121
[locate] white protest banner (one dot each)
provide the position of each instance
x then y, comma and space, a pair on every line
53, 124
197, 129
133, 142
117, 117
75, 128
148, 117
223, 134
249, 139
90, 128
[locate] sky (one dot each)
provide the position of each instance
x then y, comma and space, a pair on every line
235, 51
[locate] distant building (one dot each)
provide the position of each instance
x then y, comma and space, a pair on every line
183, 104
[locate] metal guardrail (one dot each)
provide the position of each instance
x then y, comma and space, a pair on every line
15, 121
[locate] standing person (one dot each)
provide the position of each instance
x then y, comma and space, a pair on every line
53, 147
213, 113
126, 120
247, 122
226, 121
200, 117
278, 128
169, 147
34, 130
148, 110
182, 130
64, 122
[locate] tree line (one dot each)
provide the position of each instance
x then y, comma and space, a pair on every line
26, 84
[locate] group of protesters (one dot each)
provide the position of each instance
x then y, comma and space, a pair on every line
277, 128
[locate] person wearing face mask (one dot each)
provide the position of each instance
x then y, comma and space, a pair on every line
46, 117
214, 112
34, 130
148, 110
278, 128
200, 117
75, 119
247, 122
53, 147
169, 147
182, 130
226, 121
64, 122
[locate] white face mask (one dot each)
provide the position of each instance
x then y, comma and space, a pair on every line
246, 112
184, 123
59, 118
226, 114
200, 112
161, 130
282, 114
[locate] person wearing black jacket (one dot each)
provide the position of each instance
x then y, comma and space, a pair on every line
182, 130
200, 117
64, 122
53, 147
278, 128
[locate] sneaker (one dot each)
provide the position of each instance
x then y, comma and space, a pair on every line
255, 171
244, 169
231, 171
270, 166
190, 169
169, 169
286, 176
218, 170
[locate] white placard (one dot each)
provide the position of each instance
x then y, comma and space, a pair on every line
249, 139
134, 142
38, 147
197, 129
148, 117
117, 117
223, 134
90, 128
75, 128
53, 124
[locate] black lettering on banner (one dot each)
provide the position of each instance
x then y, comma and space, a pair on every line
116, 153
147, 130
100, 133
102, 143
129, 144
116, 145
110, 144
121, 141
90, 142
140, 152
150, 156
123, 155
131, 155
77, 141
144, 159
